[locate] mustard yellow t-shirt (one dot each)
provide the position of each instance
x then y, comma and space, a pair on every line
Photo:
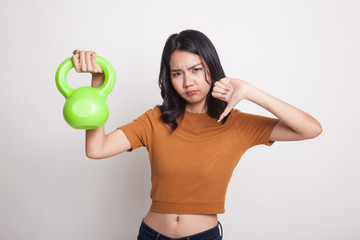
192, 166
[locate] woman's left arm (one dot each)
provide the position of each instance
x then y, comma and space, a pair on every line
293, 124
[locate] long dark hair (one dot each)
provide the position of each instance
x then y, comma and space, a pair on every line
195, 42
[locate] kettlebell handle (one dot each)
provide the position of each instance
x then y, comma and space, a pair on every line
67, 64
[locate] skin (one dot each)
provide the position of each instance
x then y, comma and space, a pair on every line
188, 79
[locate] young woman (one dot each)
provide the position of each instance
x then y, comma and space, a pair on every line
196, 137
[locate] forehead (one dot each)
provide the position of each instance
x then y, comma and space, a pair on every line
183, 59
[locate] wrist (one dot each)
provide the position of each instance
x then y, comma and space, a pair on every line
98, 75
249, 91
97, 79
257, 96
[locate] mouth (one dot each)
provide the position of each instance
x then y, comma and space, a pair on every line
191, 93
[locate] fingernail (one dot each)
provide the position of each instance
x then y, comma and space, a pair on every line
229, 88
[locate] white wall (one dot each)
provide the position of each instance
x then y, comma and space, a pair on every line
304, 52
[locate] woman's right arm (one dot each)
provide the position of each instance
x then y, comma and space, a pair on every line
99, 145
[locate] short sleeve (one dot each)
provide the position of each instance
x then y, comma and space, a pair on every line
139, 131
253, 129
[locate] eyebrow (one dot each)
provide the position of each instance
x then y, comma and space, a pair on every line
192, 67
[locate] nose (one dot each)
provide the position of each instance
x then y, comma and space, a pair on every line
187, 80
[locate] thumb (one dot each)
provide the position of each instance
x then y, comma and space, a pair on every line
97, 68
225, 113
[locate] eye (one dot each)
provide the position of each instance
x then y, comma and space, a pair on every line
176, 74
196, 69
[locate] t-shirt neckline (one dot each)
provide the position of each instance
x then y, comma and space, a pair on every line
196, 116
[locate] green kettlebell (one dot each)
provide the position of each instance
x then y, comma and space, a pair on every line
85, 107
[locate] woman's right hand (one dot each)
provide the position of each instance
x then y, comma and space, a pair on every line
84, 61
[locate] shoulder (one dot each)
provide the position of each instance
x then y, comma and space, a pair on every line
235, 112
238, 116
151, 115
153, 112
238, 113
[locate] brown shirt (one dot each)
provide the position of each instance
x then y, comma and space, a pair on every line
191, 167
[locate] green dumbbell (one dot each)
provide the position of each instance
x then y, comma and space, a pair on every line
85, 107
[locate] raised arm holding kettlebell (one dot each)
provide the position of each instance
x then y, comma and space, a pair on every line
98, 144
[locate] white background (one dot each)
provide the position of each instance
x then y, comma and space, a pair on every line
306, 53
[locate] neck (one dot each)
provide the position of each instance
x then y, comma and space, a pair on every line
196, 109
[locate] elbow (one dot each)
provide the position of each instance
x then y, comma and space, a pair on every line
316, 131
319, 130
312, 131
93, 154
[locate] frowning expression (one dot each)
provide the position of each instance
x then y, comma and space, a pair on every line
189, 79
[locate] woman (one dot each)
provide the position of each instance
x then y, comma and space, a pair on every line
196, 137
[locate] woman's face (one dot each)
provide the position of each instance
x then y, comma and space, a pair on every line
188, 78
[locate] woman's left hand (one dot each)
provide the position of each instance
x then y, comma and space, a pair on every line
230, 90
294, 124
